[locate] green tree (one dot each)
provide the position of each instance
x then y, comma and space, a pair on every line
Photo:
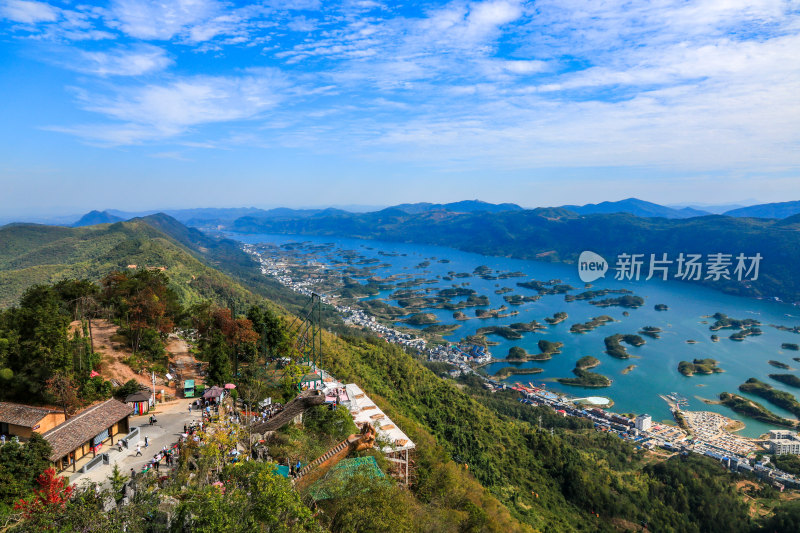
367, 504
219, 361
117, 480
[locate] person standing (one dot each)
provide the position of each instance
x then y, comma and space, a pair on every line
138, 450
146, 441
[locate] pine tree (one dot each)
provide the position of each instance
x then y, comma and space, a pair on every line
219, 361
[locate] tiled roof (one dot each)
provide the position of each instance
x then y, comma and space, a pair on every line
87, 424
22, 415
140, 396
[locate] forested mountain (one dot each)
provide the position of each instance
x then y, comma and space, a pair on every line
96, 217
555, 235
31, 254
634, 206
775, 210
464, 206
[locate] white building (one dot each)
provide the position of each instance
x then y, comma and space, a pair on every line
783, 442
644, 422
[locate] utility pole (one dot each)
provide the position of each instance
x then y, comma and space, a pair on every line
153, 379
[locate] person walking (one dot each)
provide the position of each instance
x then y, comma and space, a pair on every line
133, 473
146, 442
138, 450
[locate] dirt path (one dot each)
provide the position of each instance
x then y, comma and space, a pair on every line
114, 353
182, 360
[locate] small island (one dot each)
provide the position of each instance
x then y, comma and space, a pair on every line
516, 299
778, 364
651, 331
631, 302
547, 348
776, 397
628, 368
458, 315
723, 321
699, 366
586, 362
741, 335
714, 338
594, 323
661, 307
558, 318
421, 319
790, 346
754, 410
584, 378
527, 327
502, 331
615, 349
508, 371
441, 329
787, 379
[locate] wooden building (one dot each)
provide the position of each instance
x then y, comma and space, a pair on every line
86, 432
17, 420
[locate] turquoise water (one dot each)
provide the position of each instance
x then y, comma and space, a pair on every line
657, 361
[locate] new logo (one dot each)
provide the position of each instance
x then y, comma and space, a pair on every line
591, 266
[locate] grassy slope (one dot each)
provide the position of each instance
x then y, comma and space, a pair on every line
31, 254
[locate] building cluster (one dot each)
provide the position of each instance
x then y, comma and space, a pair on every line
781, 442
728, 449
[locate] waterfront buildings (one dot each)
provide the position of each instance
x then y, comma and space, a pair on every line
783, 442
644, 422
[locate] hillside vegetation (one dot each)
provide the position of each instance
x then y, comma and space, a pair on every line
35, 254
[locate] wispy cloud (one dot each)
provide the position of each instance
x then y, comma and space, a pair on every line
28, 12
147, 19
121, 61
160, 111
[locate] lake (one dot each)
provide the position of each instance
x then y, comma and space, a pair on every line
656, 361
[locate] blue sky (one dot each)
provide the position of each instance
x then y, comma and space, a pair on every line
134, 104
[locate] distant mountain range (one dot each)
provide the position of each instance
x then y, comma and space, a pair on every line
226, 218
777, 210
637, 207
465, 206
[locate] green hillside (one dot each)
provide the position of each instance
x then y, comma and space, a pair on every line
32, 254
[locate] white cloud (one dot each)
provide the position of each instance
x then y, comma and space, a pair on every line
122, 61
28, 12
149, 19
160, 111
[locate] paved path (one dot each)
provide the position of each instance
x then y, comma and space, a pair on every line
171, 418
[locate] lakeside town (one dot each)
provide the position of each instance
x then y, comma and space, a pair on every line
465, 357
705, 433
